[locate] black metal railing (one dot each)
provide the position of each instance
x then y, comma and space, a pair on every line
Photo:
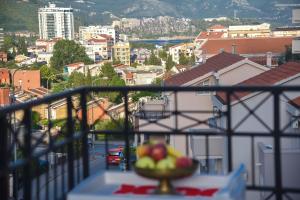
30, 168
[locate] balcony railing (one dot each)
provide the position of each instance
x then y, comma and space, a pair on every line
48, 163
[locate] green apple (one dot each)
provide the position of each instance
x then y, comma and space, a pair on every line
164, 164
145, 162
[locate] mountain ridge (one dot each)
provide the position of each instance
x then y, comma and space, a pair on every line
22, 14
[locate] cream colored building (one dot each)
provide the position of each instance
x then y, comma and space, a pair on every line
232, 70
242, 31
185, 48
121, 52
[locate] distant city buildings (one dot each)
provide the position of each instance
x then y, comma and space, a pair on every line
56, 22
121, 52
261, 30
89, 32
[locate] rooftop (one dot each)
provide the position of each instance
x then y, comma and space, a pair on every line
268, 78
248, 45
214, 63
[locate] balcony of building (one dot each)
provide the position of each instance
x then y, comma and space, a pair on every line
256, 126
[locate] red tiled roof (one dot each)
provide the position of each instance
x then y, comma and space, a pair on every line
94, 40
217, 26
209, 35
108, 37
295, 102
75, 64
270, 77
214, 63
129, 75
248, 45
262, 60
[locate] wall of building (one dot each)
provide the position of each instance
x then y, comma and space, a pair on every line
27, 79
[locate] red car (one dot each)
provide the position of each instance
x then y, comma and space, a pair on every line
113, 156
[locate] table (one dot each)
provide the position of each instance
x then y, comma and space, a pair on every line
105, 185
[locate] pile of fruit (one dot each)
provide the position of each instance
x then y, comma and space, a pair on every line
161, 157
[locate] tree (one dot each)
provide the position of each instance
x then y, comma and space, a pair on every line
289, 56
169, 63
163, 54
116, 61
88, 79
76, 79
183, 60
66, 52
192, 59
108, 71
22, 46
153, 60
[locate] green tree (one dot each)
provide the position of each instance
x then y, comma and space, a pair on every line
163, 54
183, 60
66, 52
108, 70
35, 119
153, 60
116, 61
192, 59
169, 63
76, 79
289, 56
88, 79
146, 62
8, 43
22, 46
116, 97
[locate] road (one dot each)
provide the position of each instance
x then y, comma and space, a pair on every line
55, 185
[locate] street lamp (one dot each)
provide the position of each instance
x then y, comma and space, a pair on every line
93, 136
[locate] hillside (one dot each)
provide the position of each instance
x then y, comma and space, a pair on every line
22, 14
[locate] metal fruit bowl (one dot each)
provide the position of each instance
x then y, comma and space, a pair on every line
165, 176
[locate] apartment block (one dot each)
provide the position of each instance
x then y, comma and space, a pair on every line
261, 30
121, 52
56, 22
99, 47
89, 32
187, 49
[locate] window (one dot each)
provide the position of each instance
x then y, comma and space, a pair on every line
204, 84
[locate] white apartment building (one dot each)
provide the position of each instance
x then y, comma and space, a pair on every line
99, 47
186, 48
56, 22
88, 32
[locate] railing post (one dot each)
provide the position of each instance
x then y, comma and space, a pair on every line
70, 148
277, 152
229, 130
127, 148
4, 158
27, 155
84, 132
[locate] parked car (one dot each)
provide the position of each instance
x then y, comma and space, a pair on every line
113, 157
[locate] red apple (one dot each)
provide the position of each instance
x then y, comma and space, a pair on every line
144, 150
184, 162
159, 151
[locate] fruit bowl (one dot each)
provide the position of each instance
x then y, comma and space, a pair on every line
166, 175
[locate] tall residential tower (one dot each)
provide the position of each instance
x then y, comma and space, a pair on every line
56, 22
